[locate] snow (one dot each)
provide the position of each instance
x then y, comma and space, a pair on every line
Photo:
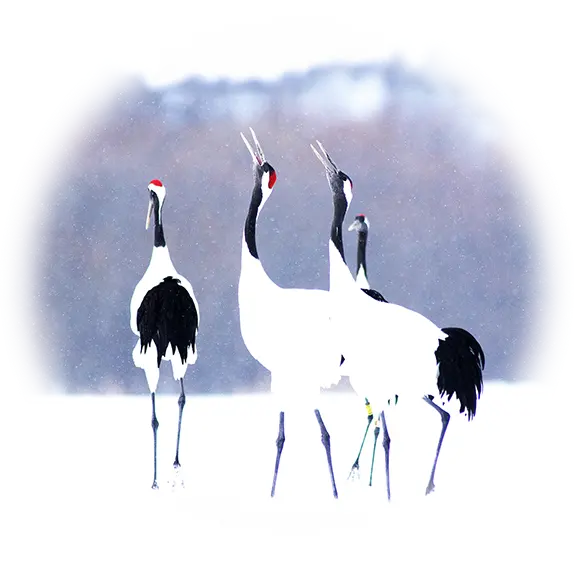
79, 473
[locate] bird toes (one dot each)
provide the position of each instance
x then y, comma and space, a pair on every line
177, 481
354, 474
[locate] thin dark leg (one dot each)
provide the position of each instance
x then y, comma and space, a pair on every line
154, 425
445, 418
280, 441
355, 468
326, 439
181, 403
377, 430
387, 448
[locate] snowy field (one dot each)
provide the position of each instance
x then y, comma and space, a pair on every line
79, 471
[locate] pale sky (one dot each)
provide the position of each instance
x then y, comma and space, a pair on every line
254, 38
265, 38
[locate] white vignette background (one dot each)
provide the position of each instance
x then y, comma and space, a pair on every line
465, 54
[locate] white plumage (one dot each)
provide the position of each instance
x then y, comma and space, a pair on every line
397, 352
287, 330
159, 268
164, 314
393, 353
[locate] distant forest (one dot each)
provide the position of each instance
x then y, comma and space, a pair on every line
447, 231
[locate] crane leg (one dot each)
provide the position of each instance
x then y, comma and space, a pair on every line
280, 441
355, 468
154, 425
376, 431
445, 418
326, 440
387, 448
181, 403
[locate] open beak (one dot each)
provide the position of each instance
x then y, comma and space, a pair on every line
148, 218
325, 159
257, 154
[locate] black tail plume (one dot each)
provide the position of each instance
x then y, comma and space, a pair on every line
460, 360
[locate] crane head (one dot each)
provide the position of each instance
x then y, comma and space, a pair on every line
339, 182
264, 173
360, 224
156, 198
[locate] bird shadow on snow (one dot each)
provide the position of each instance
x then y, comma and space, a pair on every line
80, 471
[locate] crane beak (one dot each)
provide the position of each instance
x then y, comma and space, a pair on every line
258, 148
148, 217
354, 226
249, 149
257, 154
325, 159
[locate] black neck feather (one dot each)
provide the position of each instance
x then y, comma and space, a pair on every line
362, 251
158, 238
339, 210
251, 221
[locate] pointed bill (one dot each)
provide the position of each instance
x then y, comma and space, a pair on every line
325, 160
249, 148
257, 154
257, 147
321, 159
148, 217
354, 225
335, 167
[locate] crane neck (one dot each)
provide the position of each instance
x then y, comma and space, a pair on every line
158, 235
249, 230
339, 211
362, 252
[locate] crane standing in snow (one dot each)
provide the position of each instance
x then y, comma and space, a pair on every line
399, 351
165, 317
287, 330
361, 225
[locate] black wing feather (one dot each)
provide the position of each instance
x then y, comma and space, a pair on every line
374, 294
167, 316
461, 360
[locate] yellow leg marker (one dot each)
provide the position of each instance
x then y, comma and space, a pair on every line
369, 408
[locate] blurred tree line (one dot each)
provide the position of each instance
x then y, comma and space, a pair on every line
447, 232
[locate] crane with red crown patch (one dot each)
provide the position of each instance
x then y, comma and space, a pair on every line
165, 316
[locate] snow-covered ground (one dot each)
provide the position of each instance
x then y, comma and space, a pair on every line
77, 472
